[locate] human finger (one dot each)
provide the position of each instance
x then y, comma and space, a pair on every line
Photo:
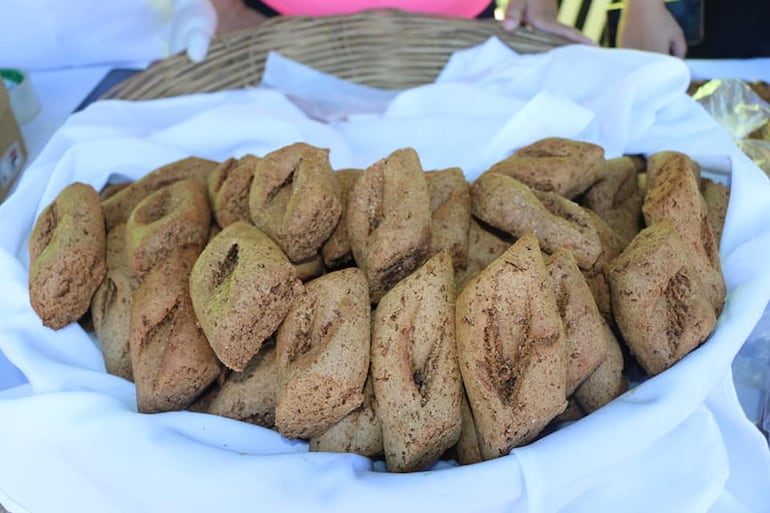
678, 47
514, 13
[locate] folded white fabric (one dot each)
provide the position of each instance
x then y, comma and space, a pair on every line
44, 34
677, 442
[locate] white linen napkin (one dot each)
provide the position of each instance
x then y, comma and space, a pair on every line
44, 34
677, 442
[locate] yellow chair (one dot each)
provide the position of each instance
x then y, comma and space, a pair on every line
595, 20
569, 11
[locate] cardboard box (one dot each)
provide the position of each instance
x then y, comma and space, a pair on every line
13, 151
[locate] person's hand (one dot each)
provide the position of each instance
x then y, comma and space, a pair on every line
649, 25
234, 15
541, 14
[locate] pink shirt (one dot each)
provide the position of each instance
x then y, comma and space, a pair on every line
460, 8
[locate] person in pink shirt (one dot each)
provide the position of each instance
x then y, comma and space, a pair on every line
463, 8
540, 14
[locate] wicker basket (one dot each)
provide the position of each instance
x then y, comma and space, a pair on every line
385, 48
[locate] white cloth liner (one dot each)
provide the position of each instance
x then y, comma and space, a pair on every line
677, 442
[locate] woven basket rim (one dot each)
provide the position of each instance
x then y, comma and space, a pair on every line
384, 48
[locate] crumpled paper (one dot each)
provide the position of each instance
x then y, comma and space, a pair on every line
676, 442
46, 34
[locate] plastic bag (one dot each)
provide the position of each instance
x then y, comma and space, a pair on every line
734, 105
758, 150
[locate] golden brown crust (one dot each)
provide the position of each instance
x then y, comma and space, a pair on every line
414, 367
242, 286
119, 206
170, 218
668, 159
170, 356
583, 324
616, 197
228, 189
323, 354
336, 250
389, 220
658, 300
450, 206
249, 395
600, 289
608, 381
673, 194
559, 223
67, 254
111, 306
555, 164
608, 242
717, 197
510, 343
359, 432
484, 245
294, 199
467, 448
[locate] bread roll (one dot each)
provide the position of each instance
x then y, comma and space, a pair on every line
616, 197
606, 382
242, 287
564, 166
658, 300
583, 324
119, 206
323, 354
294, 199
484, 245
450, 206
250, 395
673, 194
67, 254
111, 306
358, 432
170, 218
717, 197
170, 356
559, 223
389, 221
510, 343
416, 378
229, 186
336, 250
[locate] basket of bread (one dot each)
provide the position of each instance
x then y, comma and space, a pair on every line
527, 301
